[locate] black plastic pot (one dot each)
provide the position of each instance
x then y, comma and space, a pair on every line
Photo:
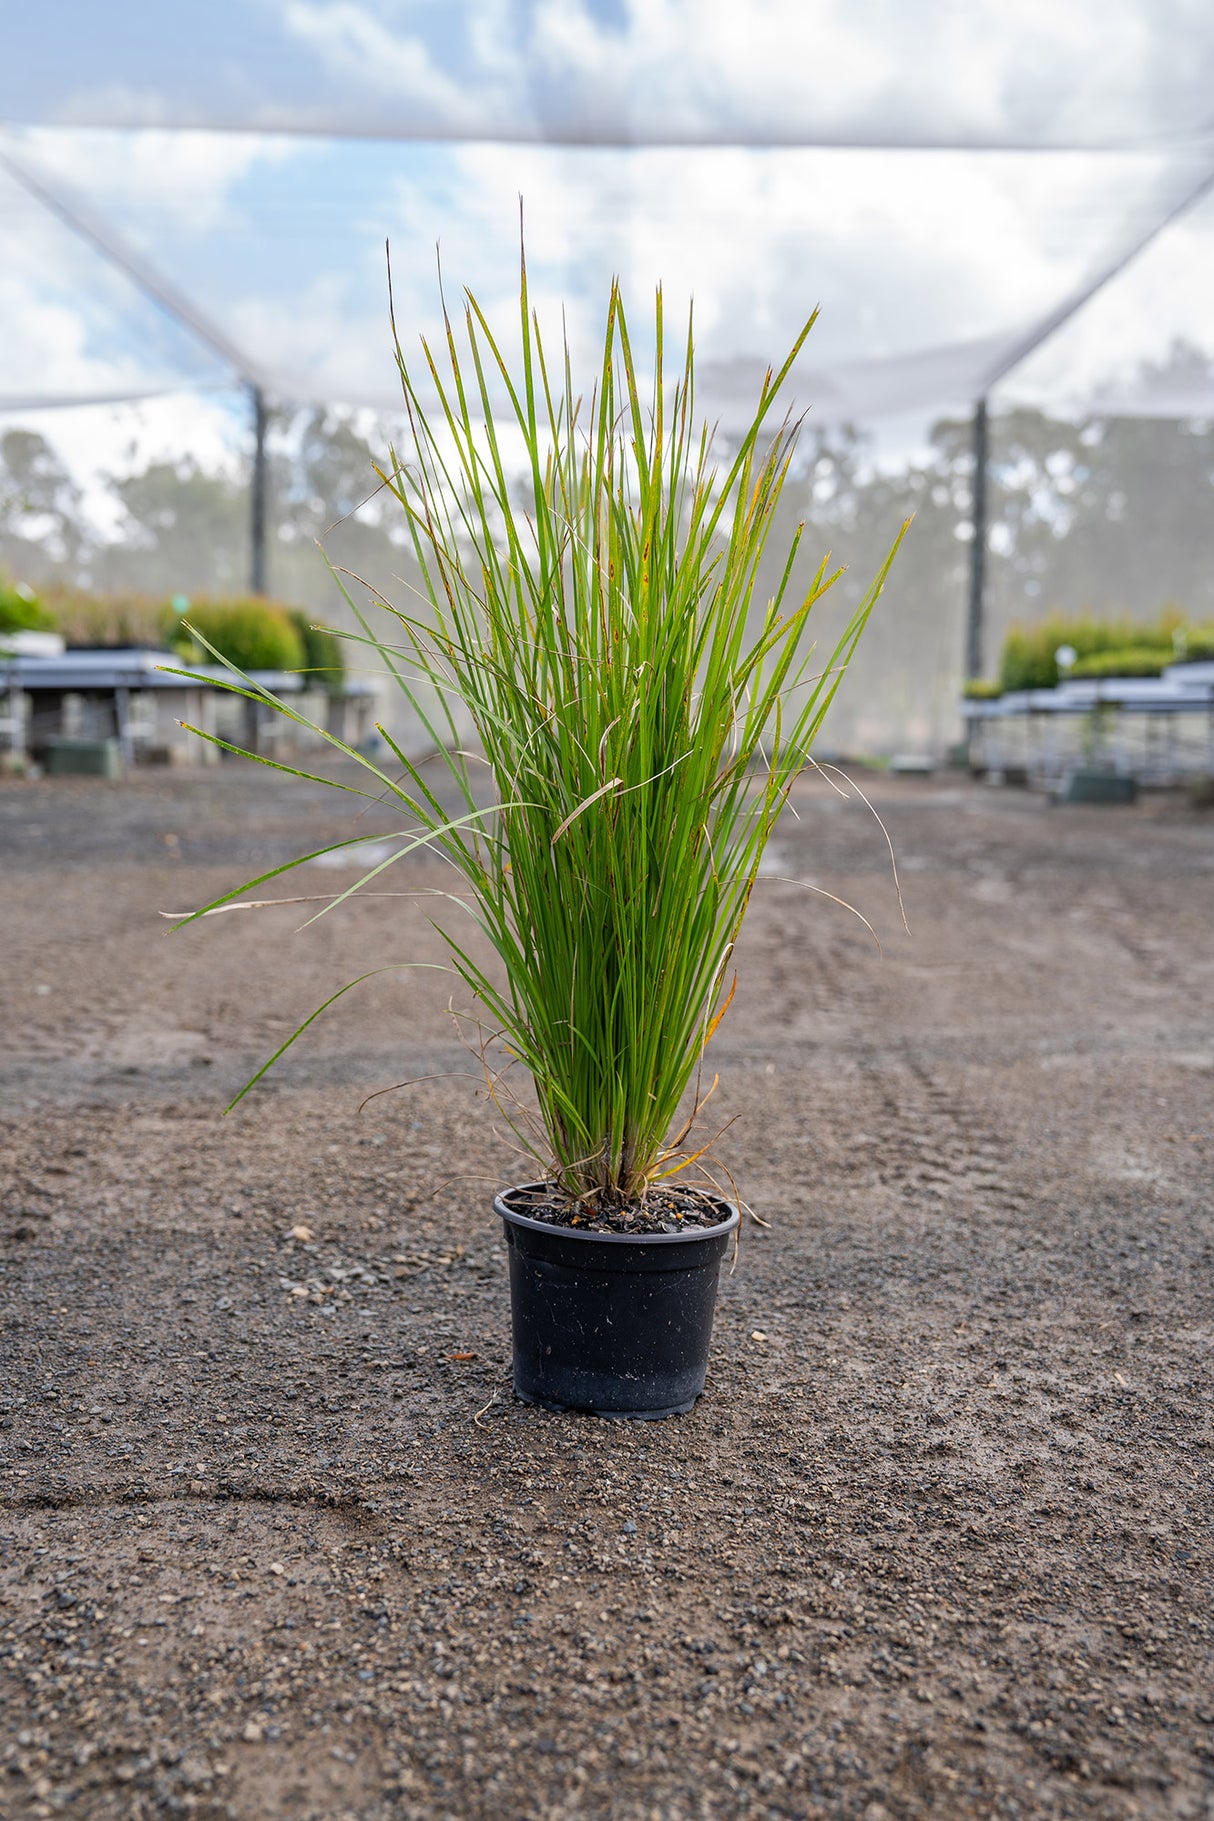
608, 1323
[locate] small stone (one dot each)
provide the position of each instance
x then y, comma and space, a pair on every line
303, 1234
196, 1773
758, 1334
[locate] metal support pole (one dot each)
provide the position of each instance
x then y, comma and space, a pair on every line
13, 723
257, 565
122, 723
977, 601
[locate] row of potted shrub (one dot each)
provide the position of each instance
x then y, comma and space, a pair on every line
1102, 648
252, 633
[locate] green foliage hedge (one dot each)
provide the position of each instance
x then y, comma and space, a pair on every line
252, 634
91, 622
1028, 659
255, 634
324, 653
1133, 661
1195, 645
265, 635
22, 611
979, 690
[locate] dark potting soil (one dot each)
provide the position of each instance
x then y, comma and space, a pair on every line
657, 1210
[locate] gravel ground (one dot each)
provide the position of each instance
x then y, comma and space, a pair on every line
276, 1539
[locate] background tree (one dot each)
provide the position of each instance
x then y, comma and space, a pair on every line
181, 531
41, 533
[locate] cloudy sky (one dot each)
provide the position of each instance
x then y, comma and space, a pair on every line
1062, 71
938, 179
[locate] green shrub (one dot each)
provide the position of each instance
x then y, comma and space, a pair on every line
1133, 661
107, 621
22, 611
1194, 645
252, 634
324, 653
979, 690
253, 629
1028, 659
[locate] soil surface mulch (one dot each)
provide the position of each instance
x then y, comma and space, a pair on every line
276, 1539
659, 1210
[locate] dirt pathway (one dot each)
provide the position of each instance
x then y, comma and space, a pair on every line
278, 1542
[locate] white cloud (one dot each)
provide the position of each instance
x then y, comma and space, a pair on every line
1091, 69
96, 442
710, 67
903, 252
327, 339
159, 175
1166, 296
357, 45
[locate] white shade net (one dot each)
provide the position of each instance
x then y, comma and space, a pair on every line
1003, 203
941, 185
706, 72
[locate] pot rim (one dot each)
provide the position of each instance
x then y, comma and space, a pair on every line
689, 1237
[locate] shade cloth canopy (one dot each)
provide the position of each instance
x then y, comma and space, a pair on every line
198, 196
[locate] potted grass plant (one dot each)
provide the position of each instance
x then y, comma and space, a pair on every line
590, 576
